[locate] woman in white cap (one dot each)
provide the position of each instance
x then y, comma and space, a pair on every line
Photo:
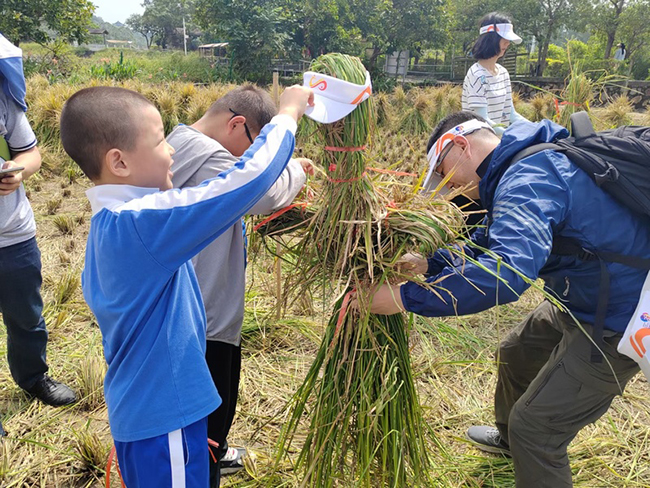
486, 89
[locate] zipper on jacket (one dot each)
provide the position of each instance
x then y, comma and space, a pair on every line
565, 293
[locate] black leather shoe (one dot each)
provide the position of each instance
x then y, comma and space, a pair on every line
488, 439
52, 392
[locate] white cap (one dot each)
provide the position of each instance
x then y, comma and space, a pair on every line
504, 30
433, 179
334, 98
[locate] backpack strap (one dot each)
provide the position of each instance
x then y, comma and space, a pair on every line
581, 125
566, 246
534, 149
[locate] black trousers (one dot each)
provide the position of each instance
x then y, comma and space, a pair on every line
224, 362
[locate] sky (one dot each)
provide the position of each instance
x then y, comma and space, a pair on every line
114, 10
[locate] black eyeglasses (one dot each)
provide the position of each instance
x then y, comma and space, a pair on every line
248, 132
443, 155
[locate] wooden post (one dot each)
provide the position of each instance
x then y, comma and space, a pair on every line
275, 92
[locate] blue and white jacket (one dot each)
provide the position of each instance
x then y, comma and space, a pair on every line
528, 203
140, 284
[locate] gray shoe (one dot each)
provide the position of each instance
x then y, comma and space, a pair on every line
233, 460
488, 439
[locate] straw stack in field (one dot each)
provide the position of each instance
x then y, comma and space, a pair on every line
365, 427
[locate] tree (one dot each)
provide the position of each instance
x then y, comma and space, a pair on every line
37, 20
256, 31
162, 21
635, 30
605, 19
542, 19
139, 23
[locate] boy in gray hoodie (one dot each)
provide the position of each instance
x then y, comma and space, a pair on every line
203, 150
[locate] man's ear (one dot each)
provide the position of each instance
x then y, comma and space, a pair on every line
114, 163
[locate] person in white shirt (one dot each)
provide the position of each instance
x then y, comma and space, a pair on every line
621, 52
486, 89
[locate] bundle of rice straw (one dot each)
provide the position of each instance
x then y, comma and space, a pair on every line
366, 426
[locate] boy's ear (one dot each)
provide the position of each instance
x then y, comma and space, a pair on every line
115, 165
234, 122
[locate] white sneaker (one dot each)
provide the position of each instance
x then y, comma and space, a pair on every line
233, 461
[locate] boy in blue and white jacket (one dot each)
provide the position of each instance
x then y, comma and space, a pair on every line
138, 279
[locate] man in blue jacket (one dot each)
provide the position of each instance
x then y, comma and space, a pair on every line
548, 386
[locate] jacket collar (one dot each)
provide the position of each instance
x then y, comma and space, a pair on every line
112, 196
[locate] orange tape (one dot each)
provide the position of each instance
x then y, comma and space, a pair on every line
277, 214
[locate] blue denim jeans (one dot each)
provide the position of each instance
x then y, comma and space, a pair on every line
21, 306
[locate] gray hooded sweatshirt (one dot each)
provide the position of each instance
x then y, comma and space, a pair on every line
220, 267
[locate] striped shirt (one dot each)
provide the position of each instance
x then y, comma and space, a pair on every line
483, 89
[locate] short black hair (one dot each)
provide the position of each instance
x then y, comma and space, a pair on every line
97, 119
488, 45
449, 122
250, 101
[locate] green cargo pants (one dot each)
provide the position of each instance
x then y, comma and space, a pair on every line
548, 389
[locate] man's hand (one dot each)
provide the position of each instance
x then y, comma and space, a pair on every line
387, 300
412, 265
11, 182
294, 101
307, 165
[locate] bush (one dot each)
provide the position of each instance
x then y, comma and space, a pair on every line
121, 70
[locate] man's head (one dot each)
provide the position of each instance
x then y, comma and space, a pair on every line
457, 147
116, 136
237, 118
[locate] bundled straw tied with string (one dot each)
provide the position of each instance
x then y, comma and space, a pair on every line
366, 426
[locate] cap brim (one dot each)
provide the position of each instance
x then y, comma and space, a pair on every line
435, 181
328, 111
512, 37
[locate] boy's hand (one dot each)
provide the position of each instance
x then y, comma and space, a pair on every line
307, 165
294, 101
11, 182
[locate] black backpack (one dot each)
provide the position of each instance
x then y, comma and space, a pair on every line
618, 160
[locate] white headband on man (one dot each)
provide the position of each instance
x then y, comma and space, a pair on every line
433, 179
334, 98
504, 30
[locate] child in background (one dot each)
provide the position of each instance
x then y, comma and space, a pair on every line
486, 88
138, 279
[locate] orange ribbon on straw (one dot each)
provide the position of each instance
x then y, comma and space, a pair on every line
278, 213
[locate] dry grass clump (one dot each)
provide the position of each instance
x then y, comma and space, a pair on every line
90, 450
617, 113
543, 107
90, 377
383, 109
445, 100
414, 120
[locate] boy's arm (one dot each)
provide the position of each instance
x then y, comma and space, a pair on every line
283, 191
177, 224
